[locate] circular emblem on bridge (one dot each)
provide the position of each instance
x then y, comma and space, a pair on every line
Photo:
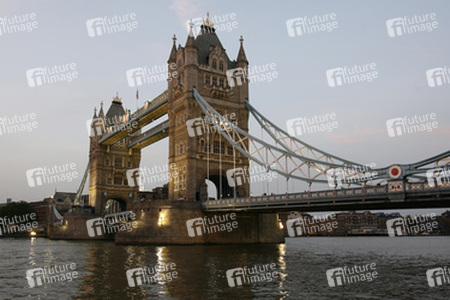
395, 172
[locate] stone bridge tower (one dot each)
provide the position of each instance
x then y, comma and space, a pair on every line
109, 190
201, 154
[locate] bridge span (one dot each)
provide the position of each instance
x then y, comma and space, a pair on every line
395, 195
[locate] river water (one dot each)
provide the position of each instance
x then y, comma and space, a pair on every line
201, 271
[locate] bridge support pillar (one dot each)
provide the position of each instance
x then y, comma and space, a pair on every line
177, 222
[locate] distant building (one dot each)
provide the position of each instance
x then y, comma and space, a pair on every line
41, 208
158, 193
64, 201
8, 200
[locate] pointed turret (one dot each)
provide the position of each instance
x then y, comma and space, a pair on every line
101, 114
95, 113
241, 55
173, 53
115, 112
190, 42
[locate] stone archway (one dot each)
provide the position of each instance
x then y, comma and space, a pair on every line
223, 191
212, 191
114, 206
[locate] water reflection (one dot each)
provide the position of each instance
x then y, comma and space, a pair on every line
301, 264
201, 270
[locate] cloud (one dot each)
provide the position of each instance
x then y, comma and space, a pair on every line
345, 138
185, 10
370, 131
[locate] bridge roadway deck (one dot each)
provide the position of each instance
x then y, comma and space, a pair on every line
414, 195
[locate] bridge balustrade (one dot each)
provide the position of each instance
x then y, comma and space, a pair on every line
324, 195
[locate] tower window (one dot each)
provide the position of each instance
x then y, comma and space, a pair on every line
118, 162
221, 65
216, 147
214, 64
230, 150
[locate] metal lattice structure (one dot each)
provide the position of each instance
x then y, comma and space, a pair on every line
295, 159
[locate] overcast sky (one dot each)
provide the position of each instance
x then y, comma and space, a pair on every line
360, 36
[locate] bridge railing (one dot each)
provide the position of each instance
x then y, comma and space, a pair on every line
150, 105
325, 195
158, 128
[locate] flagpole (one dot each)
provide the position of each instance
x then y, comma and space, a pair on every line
137, 99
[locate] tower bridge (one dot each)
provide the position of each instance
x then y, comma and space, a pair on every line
209, 87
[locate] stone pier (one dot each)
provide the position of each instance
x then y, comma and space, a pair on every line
172, 222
